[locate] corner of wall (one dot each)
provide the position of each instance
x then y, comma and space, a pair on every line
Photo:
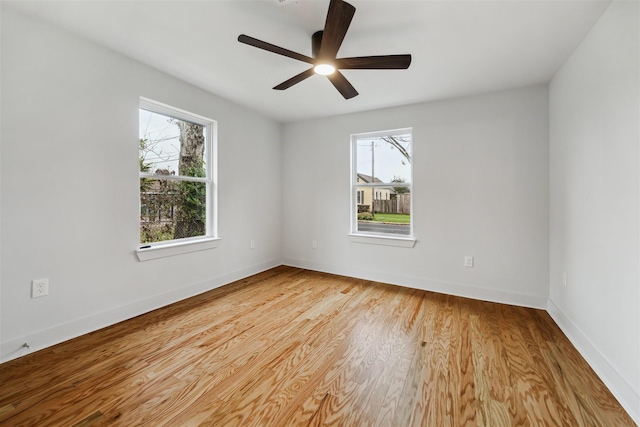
616, 382
426, 284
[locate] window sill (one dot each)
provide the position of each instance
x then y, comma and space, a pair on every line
176, 248
400, 242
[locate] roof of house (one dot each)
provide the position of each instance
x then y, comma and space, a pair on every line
367, 178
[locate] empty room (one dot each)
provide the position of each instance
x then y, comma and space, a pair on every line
320, 212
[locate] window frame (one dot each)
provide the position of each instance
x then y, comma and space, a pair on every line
387, 239
148, 251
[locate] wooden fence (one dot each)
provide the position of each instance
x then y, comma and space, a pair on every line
401, 204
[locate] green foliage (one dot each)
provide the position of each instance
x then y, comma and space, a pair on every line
150, 233
365, 216
399, 190
192, 200
388, 218
393, 218
191, 203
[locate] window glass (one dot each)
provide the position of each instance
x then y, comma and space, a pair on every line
381, 184
175, 175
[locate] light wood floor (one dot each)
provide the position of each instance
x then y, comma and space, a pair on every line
291, 347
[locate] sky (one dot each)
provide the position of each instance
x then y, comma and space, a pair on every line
163, 141
388, 162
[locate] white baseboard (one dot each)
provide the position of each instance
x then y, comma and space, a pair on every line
449, 288
13, 349
617, 384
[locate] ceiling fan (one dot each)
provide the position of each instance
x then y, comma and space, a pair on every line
324, 51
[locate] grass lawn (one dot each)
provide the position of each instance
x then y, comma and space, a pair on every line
394, 218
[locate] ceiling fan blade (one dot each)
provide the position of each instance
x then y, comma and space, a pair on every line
382, 62
295, 79
335, 28
342, 84
273, 48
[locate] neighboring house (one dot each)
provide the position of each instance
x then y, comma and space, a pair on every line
364, 195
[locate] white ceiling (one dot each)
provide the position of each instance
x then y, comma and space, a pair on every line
458, 47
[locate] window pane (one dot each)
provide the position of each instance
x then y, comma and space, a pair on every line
386, 219
171, 146
386, 158
383, 183
171, 209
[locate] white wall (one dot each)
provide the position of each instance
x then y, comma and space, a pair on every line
594, 162
480, 188
69, 202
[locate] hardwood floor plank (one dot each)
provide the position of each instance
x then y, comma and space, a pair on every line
6, 409
557, 400
532, 397
325, 407
409, 401
489, 411
596, 402
461, 372
330, 370
375, 373
434, 389
390, 403
292, 347
90, 420
194, 414
325, 342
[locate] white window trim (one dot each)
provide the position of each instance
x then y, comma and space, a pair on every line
211, 240
356, 236
176, 247
384, 240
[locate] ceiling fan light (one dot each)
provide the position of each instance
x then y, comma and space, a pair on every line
324, 69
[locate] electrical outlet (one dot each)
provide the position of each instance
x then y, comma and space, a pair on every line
468, 261
252, 244
314, 244
564, 279
39, 288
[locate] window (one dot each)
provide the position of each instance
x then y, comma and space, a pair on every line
177, 188
381, 184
